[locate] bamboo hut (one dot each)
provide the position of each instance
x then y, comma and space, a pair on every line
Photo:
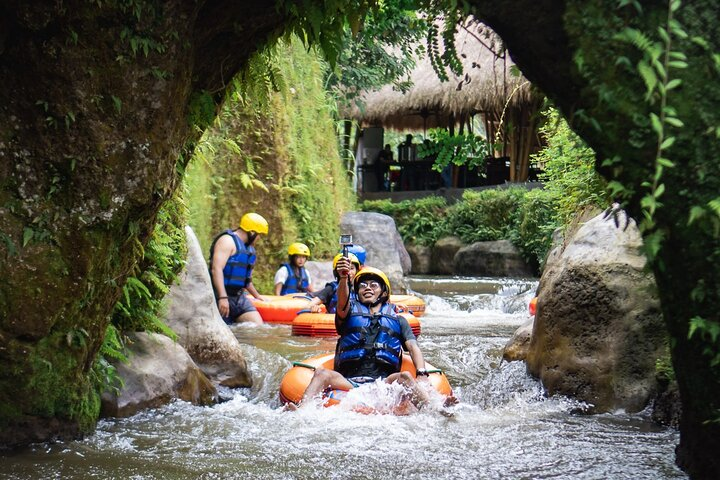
489, 87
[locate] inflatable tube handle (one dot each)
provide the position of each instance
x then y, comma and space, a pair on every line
306, 297
304, 365
304, 310
435, 370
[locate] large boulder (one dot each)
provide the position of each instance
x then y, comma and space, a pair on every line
598, 328
517, 347
385, 249
193, 315
158, 371
420, 256
320, 272
493, 259
443, 255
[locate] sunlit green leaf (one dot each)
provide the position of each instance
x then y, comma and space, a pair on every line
667, 143
27, 235
696, 212
655, 122
674, 83
675, 122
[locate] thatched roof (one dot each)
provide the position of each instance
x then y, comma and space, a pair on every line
486, 84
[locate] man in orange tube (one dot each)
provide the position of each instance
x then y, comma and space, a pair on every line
371, 339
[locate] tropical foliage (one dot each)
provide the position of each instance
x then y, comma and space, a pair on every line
141, 306
462, 149
273, 150
568, 169
379, 51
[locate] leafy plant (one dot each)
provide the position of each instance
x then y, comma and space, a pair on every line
709, 332
534, 224
141, 305
655, 68
484, 215
568, 166
418, 221
465, 149
103, 374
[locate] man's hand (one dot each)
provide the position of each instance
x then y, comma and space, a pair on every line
343, 267
224, 307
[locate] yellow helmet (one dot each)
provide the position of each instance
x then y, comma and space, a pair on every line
353, 259
252, 222
298, 249
371, 272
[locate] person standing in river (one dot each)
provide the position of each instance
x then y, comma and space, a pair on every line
232, 258
371, 339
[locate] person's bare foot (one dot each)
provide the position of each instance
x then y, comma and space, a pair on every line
450, 401
290, 407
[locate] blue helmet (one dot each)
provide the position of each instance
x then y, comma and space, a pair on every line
359, 252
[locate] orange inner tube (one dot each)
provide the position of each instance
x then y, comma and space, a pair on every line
323, 324
411, 303
297, 379
284, 308
281, 309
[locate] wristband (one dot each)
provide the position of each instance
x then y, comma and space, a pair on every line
220, 298
421, 372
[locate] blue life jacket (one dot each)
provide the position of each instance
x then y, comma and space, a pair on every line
365, 336
238, 269
331, 306
295, 284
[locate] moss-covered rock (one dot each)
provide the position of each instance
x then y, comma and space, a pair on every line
95, 124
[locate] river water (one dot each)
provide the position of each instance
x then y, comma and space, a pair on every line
503, 428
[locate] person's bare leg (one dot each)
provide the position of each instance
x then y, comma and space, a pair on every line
419, 395
322, 379
253, 318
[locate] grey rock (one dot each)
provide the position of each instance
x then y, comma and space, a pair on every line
493, 259
320, 273
193, 315
158, 371
378, 234
598, 328
420, 256
443, 255
517, 347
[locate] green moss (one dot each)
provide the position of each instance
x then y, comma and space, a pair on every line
276, 153
202, 110
55, 386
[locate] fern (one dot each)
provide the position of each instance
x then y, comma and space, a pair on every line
140, 306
